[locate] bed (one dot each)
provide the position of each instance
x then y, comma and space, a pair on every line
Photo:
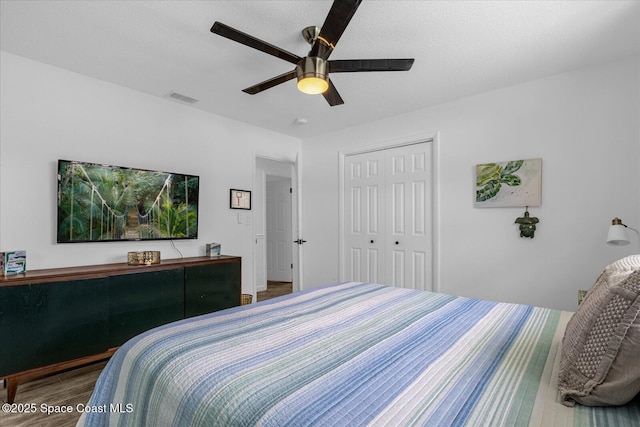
348, 354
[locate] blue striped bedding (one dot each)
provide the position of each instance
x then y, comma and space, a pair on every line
347, 354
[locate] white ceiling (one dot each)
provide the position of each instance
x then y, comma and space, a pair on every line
460, 48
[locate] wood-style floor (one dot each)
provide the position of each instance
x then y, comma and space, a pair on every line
275, 289
71, 388
74, 387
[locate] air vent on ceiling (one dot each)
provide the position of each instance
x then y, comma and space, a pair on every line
183, 98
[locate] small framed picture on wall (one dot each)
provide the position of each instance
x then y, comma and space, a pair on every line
240, 199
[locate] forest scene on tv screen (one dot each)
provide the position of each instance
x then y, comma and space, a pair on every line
106, 203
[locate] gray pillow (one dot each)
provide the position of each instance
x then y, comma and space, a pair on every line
600, 362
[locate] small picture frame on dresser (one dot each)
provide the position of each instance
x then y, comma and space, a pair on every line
213, 250
13, 262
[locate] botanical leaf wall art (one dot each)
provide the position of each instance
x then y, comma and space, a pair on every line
508, 184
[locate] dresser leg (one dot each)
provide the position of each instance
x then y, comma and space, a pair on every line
12, 389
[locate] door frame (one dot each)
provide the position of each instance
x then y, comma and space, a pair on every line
296, 221
435, 206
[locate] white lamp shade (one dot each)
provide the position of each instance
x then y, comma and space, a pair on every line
617, 235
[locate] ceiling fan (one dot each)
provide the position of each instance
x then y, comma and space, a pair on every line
312, 71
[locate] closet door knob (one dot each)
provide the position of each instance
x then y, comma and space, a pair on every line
371, 241
397, 243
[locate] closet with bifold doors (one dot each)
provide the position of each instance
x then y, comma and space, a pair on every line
388, 198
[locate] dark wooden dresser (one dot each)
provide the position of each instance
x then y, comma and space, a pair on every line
60, 318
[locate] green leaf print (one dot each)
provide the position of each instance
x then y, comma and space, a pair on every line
511, 180
487, 172
511, 167
488, 191
491, 176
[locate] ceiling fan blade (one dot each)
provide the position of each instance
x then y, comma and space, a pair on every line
356, 65
225, 31
267, 84
334, 25
332, 96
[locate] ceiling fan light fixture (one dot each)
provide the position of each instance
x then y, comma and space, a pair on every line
313, 85
312, 75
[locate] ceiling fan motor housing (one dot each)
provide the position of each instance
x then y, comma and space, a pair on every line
312, 75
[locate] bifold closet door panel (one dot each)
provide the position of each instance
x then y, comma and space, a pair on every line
364, 222
409, 206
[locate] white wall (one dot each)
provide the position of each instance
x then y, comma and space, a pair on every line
50, 114
585, 127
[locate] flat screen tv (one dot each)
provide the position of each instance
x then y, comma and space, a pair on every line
100, 203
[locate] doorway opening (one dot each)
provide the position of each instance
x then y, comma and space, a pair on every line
275, 228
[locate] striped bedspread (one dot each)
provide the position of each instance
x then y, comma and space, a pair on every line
347, 354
